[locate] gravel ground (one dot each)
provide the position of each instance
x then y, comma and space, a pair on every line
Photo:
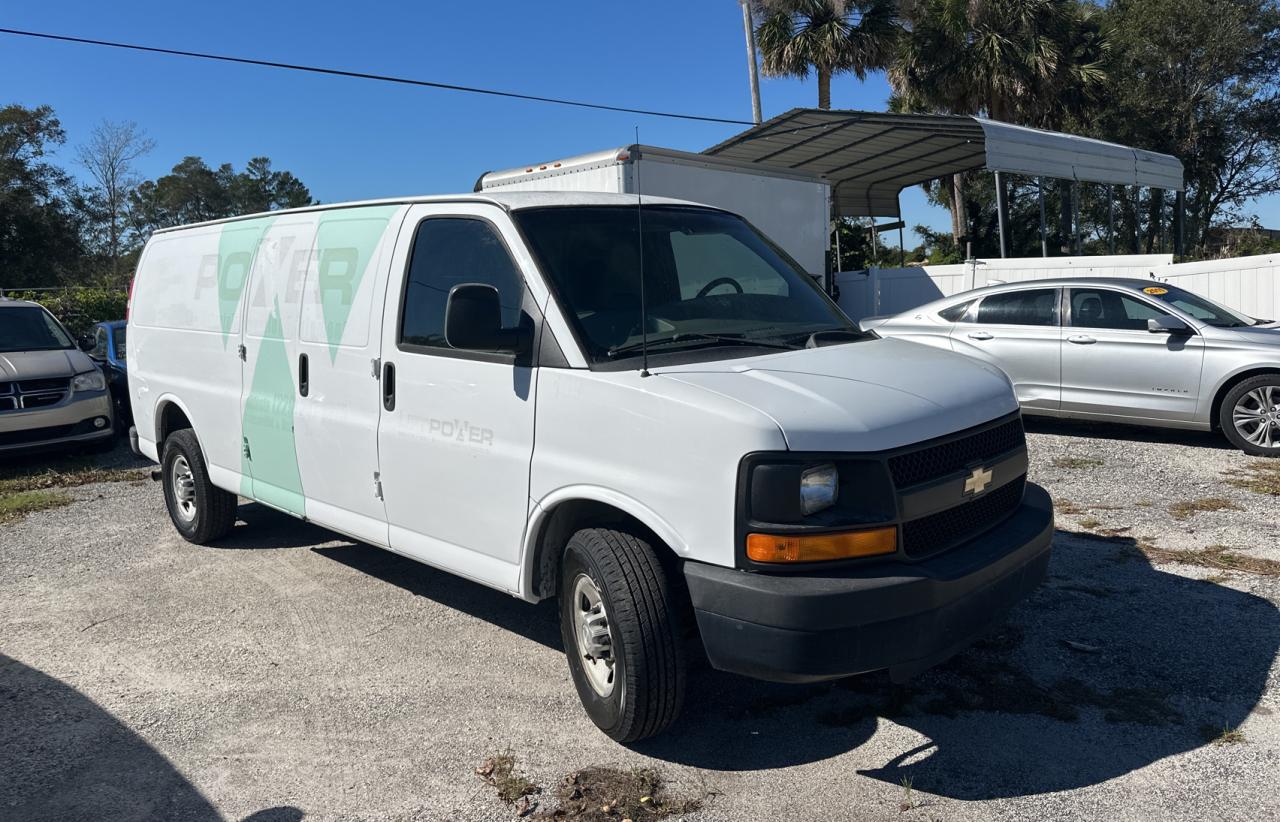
289, 673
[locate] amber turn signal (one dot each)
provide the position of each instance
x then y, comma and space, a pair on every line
819, 547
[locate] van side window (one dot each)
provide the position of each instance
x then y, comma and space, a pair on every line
449, 251
1036, 307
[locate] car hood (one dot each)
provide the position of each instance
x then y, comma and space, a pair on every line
866, 396
1258, 335
35, 365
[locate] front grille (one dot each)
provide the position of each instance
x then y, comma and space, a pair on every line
35, 386
915, 467
937, 532
41, 393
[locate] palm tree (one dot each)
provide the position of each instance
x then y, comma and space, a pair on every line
1029, 62
827, 36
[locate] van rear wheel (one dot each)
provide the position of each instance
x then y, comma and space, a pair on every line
201, 511
619, 625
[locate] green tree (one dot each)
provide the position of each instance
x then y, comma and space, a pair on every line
826, 36
40, 208
1201, 81
1028, 62
193, 192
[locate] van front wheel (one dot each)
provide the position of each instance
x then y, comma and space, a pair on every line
618, 621
201, 511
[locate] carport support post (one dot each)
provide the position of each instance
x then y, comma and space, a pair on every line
1180, 220
1044, 233
1078, 243
1111, 220
1001, 215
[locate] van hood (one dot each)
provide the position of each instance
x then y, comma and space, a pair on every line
36, 365
865, 396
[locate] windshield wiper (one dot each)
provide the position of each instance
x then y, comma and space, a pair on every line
717, 339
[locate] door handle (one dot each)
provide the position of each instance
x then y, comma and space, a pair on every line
980, 335
304, 375
389, 386
1081, 339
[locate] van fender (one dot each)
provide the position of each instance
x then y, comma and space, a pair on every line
540, 515
156, 416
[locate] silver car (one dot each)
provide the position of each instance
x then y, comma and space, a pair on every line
1119, 350
51, 393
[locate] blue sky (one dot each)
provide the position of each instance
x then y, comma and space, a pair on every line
352, 139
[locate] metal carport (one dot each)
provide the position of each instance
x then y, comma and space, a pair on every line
870, 157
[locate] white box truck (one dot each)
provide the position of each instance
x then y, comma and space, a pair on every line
791, 208
647, 412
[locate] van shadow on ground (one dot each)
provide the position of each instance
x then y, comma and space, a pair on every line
1160, 660
64, 757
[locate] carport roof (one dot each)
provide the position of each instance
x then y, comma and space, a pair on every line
869, 157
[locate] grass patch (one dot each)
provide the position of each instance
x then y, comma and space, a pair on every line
500, 772
66, 473
1226, 735
1189, 508
1259, 476
1215, 556
1066, 506
1076, 463
15, 506
597, 794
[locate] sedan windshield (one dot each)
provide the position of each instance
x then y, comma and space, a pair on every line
1206, 311
31, 328
710, 281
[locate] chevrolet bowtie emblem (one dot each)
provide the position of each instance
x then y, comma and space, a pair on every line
978, 481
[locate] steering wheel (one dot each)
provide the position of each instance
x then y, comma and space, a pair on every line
719, 281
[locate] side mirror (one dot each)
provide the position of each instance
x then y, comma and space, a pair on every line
1168, 325
85, 343
473, 321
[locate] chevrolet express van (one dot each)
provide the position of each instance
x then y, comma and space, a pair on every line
487, 384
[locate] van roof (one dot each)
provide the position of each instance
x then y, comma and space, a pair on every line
509, 201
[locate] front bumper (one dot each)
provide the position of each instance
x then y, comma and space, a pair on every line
904, 617
68, 423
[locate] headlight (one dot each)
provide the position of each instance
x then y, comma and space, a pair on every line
819, 487
89, 381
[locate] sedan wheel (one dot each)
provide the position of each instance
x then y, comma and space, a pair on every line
1251, 416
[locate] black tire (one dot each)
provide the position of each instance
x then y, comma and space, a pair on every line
648, 660
214, 511
1238, 433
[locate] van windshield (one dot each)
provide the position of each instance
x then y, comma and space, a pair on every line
711, 281
30, 328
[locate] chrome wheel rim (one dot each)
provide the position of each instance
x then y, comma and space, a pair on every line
183, 483
593, 635
1257, 416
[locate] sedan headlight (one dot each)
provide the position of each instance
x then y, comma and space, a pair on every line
89, 381
819, 487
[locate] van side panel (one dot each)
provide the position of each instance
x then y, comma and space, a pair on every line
340, 333
183, 332
269, 461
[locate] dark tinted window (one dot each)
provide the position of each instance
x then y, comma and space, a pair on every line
1037, 307
449, 251
956, 312
1101, 308
30, 328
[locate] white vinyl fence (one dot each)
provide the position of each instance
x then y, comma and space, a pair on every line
1249, 284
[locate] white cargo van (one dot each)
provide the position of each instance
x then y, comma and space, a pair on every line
486, 383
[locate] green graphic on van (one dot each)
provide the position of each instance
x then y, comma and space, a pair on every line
272, 461
237, 245
345, 242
